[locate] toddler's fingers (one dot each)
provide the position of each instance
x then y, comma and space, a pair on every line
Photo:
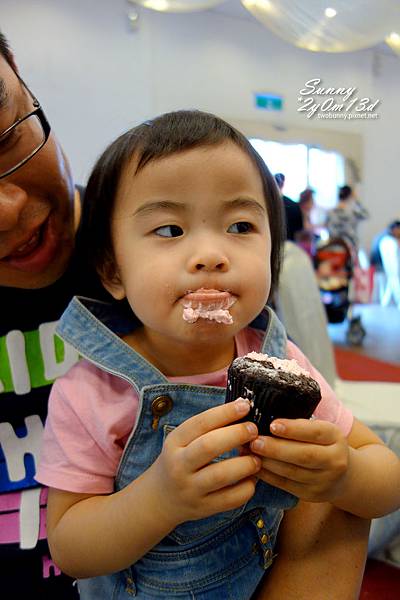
213, 418
212, 444
306, 430
227, 472
289, 471
232, 496
289, 451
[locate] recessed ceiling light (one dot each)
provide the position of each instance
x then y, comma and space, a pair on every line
394, 37
330, 13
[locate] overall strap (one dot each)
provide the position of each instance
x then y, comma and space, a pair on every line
89, 325
275, 338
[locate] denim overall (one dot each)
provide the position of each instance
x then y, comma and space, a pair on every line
222, 557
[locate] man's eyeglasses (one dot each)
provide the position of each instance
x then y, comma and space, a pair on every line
24, 138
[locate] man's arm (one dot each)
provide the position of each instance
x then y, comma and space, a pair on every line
321, 555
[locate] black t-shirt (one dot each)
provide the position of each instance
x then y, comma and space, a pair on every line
31, 357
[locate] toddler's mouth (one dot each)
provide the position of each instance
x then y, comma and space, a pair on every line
208, 304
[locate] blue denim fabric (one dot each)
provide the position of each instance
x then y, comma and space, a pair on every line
222, 556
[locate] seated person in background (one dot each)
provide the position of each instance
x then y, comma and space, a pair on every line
294, 216
393, 230
343, 220
385, 256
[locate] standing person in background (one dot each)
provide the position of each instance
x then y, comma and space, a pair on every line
306, 238
343, 220
306, 203
294, 216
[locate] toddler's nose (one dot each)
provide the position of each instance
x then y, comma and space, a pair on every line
209, 260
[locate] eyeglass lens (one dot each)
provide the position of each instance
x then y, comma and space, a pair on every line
20, 143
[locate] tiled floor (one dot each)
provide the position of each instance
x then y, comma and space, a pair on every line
382, 325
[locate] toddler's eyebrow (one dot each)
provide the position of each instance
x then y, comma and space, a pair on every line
246, 203
158, 205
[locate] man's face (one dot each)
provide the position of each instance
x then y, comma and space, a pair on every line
36, 201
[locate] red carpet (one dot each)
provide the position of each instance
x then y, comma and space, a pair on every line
362, 368
381, 581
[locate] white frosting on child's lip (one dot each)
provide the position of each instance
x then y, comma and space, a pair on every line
209, 304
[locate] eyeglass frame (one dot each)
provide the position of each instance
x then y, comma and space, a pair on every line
39, 113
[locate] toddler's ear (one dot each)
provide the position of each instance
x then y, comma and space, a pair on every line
111, 280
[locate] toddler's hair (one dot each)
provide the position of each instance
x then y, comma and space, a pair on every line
153, 140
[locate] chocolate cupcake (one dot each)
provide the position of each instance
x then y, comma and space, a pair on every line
275, 388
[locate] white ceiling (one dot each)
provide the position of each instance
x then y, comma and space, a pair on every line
234, 8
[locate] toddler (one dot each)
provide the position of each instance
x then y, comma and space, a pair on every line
150, 493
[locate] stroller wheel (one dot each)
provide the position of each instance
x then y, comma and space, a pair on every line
356, 332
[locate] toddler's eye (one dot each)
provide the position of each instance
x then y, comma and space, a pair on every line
241, 227
169, 231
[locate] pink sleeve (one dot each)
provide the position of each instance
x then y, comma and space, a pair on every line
330, 408
91, 414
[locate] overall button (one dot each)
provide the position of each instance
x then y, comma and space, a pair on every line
130, 586
160, 407
264, 538
260, 523
268, 557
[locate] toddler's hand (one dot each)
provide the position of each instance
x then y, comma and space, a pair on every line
308, 458
191, 486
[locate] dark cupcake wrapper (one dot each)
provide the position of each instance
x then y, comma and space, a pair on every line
269, 400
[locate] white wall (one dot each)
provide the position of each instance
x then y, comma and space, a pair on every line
96, 77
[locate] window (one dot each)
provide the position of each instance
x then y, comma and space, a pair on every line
325, 175
305, 166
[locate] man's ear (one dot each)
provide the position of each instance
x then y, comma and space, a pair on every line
111, 280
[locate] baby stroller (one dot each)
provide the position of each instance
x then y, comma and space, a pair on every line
335, 261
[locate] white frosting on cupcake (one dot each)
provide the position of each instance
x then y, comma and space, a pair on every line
282, 364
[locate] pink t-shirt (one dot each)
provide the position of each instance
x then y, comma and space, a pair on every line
92, 413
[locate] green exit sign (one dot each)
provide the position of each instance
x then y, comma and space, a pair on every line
268, 101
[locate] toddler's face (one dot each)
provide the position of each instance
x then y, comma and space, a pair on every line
192, 221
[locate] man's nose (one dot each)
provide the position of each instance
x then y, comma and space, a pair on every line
13, 200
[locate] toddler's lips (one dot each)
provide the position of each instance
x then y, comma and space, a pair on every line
208, 298
209, 304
